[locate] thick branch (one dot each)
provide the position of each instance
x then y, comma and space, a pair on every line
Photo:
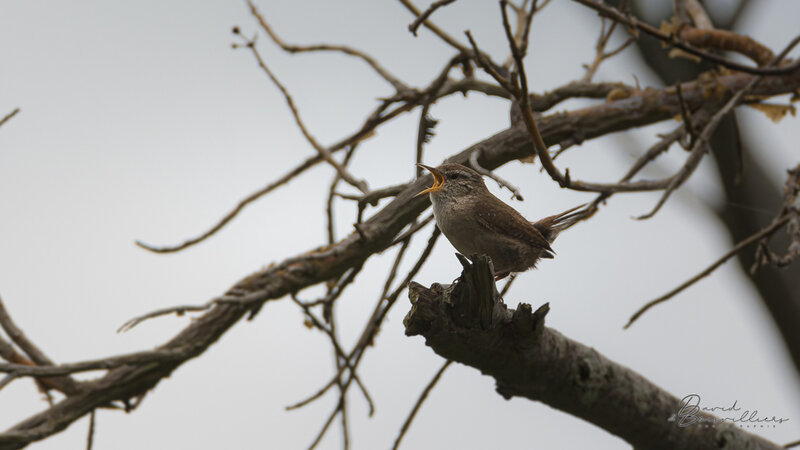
468, 322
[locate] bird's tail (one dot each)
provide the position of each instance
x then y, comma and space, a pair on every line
551, 226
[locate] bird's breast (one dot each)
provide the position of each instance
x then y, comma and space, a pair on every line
456, 219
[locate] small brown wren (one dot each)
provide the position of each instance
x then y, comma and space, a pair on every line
477, 222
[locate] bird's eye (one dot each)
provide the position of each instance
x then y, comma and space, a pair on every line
455, 176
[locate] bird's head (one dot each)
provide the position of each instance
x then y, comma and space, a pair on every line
453, 180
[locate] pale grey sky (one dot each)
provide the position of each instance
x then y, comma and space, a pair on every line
139, 121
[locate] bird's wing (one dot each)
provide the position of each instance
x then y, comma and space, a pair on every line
497, 217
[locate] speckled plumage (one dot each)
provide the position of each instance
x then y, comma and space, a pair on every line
477, 222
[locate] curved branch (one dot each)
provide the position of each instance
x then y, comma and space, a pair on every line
325, 152
380, 70
775, 226
302, 167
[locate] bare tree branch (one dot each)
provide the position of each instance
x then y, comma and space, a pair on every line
427, 13
323, 151
8, 116
419, 402
468, 322
473, 161
285, 178
435, 29
380, 70
775, 226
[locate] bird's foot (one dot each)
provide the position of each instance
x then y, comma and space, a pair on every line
500, 275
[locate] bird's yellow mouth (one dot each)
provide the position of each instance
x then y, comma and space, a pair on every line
438, 180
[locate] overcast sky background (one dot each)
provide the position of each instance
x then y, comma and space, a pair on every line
138, 121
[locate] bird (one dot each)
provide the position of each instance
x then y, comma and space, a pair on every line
477, 222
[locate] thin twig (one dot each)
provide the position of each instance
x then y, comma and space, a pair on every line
8, 116
424, 134
372, 198
63, 383
373, 325
419, 402
347, 278
284, 179
332, 191
699, 148
523, 27
776, 225
739, 149
10, 354
473, 160
427, 13
90, 434
380, 70
327, 424
521, 94
487, 67
650, 155
524, 38
379, 314
345, 426
338, 358
692, 162
177, 310
600, 48
19, 338
232, 298
427, 123
328, 300
411, 230
340, 355
393, 271
323, 151
764, 255
436, 30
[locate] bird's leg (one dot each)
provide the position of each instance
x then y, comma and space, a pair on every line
465, 262
500, 275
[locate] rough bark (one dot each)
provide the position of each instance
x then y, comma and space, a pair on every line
468, 322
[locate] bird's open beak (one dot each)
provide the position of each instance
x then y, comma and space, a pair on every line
438, 180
